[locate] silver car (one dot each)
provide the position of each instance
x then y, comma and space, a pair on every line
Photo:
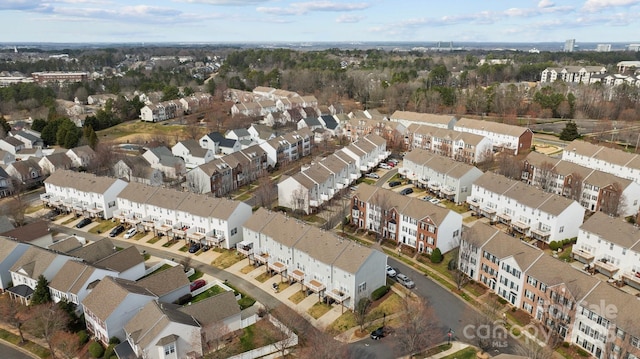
405, 281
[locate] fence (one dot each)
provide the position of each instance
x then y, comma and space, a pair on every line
290, 341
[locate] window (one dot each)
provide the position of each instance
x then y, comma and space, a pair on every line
362, 287
169, 348
234, 231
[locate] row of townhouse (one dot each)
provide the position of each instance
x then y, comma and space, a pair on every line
616, 79
342, 270
408, 221
502, 136
571, 74
315, 185
593, 189
167, 110
117, 296
195, 217
525, 209
609, 160
572, 305
460, 146
443, 176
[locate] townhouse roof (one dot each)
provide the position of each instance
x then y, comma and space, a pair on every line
264, 131
609, 155
294, 113
240, 132
312, 121
7, 247
626, 315
440, 164
12, 141
342, 155
215, 136
492, 127
330, 122
69, 276
194, 148
553, 272
166, 281
613, 229
285, 229
28, 136
206, 206
25, 167
83, 151
34, 262
422, 117
213, 309
527, 195
409, 206
59, 160
121, 260
139, 163
81, 181
109, 293
375, 140
466, 137
332, 163
504, 246
316, 173
166, 198
95, 251
151, 320
66, 245
29, 232
137, 192
259, 219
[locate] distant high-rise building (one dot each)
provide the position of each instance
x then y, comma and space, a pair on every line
569, 45
634, 47
603, 48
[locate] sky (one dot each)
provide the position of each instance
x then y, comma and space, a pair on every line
248, 21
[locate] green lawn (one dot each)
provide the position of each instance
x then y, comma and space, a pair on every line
208, 293
227, 259
73, 218
263, 277
102, 227
153, 240
28, 346
297, 297
197, 274
319, 309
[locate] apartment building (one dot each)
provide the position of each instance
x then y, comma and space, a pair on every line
449, 179
82, 193
571, 74
514, 139
528, 211
460, 146
408, 118
193, 217
620, 163
330, 266
409, 221
610, 245
368, 151
161, 111
594, 189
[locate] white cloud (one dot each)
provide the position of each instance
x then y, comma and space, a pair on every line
302, 8
224, 2
545, 3
20, 4
349, 18
597, 5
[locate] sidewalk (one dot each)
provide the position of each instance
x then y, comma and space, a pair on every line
455, 347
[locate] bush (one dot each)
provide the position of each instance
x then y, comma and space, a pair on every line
453, 264
554, 245
96, 350
565, 344
582, 352
436, 256
110, 352
380, 292
83, 337
114, 340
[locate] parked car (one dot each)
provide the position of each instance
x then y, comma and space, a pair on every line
84, 222
427, 198
406, 191
434, 200
130, 233
372, 175
391, 164
197, 284
405, 281
116, 230
378, 333
391, 272
394, 183
194, 248
394, 161
384, 166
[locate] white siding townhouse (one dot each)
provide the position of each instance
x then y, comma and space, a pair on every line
194, 217
571, 74
368, 151
529, 211
611, 246
461, 146
72, 282
192, 154
82, 192
620, 163
409, 221
10, 252
324, 263
448, 178
599, 191
407, 118
81, 156
515, 139
34, 262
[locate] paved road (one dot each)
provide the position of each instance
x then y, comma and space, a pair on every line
8, 352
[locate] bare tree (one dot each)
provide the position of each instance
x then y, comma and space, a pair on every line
486, 161
546, 175
289, 323
192, 129
612, 200
14, 314
509, 166
214, 338
573, 186
361, 311
104, 159
485, 321
532, 350
46, 321
319, 345
417, 327
299, 201
381, 202
18, 204
196, 183
66, 344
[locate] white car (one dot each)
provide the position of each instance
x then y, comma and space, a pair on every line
384, 166
130, 233
372, 175
434, 200
391, 272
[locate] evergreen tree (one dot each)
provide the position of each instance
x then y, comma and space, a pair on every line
436, 256
41, 294
570, 132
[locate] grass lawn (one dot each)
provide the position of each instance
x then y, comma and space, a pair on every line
319, 309
73, 218
139, 129
28, 346
197, 274
466, 353
227, 259
469, 219
454, 207
184, 248
433, 351
263, 277
247, 269
297, 297
208, 293
162, 267
344, 322
33, 209
169, 243
102, 227
243, 197
138, 236
153, 240
391, 305
246, 302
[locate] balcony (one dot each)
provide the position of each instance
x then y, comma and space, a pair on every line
354, 176
520, 227
245, 248
315, 286
581, 256
324, 197
540, 234
213, 239
337, 295
434, 186
448, 191
297, 275
95, 209
262, 257
605, 267
277, 267
632, 279
162, 227
313, 203
504, 218
194, 235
